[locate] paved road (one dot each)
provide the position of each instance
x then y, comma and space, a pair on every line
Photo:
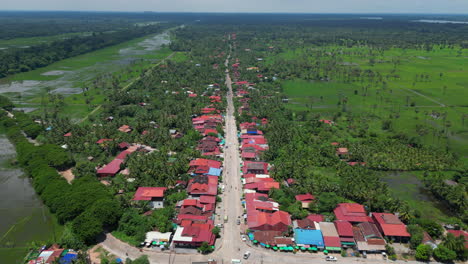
230, 246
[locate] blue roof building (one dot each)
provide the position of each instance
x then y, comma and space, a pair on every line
309, 237
214, 172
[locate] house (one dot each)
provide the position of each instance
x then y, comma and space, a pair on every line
278, 221
458, 233
330, 236
153, 194
194, 164
203, 185
255, 167
192, 236
342, 152
309, 237
111, 169
351, 212
391, 226
306, 223
262, 186
102, 140
273, 238
368, 238
125, 129
325, 121
345, 232
69, 134
305, 199
260, 202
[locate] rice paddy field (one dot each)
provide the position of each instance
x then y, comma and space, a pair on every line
68, 77
438, 101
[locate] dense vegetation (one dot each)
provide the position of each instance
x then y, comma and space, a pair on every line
26, 59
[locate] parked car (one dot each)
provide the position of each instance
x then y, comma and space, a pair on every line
331, 258
244, 238
238, 221
246, 254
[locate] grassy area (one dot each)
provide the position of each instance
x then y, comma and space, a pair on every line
407, 100
127, 239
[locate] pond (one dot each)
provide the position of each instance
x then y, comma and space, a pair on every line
23, 217
407, 186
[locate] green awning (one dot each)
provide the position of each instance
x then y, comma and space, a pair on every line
212, 247
313, 248
154, 243
290, 248
303, 248
255, 241
333, 248
275, 248
348, 243
267, 246
296, 247
325, 251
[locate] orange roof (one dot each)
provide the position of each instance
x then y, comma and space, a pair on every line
147, 193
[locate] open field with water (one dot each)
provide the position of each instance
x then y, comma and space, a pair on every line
68, 77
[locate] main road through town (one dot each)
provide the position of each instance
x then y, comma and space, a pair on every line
230, 245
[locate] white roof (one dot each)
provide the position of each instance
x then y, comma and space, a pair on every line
178, 236
157, 236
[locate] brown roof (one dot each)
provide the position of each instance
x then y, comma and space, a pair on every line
191, 210
305, 224
267, 237
369, 230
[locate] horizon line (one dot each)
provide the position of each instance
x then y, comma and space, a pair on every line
240, 12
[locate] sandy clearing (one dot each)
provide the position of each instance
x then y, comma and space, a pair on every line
68, 175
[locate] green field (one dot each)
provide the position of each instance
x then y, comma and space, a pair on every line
406, 102
84, 69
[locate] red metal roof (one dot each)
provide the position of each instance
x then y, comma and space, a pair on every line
112, 168
204, 199
332, 241
147, 193
305, 197
344, 228
315, 217
278, 220
351, 212
458, 233
102, 140
390, 225
205, 162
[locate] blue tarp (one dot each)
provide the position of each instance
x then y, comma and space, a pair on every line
68, 258
251, 236
214, 172
308, 237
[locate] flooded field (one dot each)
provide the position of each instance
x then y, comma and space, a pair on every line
407, 186
67, 79
23, 216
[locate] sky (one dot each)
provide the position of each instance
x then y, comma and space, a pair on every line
276, 6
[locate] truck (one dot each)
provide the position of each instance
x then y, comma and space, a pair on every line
225, 219
236, 261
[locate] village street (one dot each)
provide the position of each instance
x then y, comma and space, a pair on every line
230, 245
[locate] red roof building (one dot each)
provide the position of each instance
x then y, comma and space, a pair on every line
345, 231
102, 140
352, 212
111, 169
316, 218
205, 162
255, 167
69, 134
277, 221
148, 193
458, 233
203, 185
305, 199
390, 225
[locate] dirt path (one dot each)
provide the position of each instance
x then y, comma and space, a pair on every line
128, 85
68, 175
424, 96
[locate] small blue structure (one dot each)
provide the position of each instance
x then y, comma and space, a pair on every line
309, 237
214, 172
68, 258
